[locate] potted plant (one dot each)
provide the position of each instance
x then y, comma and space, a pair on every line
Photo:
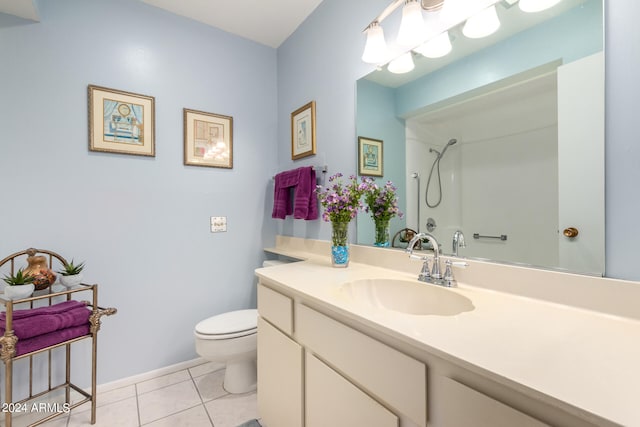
341, 203
19, 285
71, 274
382, 203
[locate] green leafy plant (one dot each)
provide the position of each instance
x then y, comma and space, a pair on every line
19, 278
70, 269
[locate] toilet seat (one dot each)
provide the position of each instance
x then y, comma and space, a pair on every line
233, 324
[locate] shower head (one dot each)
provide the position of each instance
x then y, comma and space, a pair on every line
451, 142
415, 175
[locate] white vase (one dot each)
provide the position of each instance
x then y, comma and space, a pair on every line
71, 281
18, 291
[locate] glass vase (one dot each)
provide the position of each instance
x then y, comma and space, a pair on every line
339, 246
382, 233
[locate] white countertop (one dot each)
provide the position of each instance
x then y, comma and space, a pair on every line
588, 360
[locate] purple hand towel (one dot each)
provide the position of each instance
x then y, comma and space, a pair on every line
51, 309
305, 205
28, 327
303, 182
281, 190
41, 341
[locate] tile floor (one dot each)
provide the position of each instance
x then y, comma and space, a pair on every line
192, 397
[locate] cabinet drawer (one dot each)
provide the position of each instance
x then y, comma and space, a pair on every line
333, 401
276, 308
385, 373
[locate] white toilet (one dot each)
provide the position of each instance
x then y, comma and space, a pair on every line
231, 338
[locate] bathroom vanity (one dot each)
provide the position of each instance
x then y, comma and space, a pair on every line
367, 345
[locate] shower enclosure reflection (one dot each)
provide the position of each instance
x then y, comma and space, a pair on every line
527, 161
436, 165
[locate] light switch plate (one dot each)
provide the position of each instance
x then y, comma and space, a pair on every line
218, 224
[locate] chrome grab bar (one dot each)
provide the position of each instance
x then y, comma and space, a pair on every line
502, 237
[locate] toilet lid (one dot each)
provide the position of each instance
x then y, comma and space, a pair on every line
232, 322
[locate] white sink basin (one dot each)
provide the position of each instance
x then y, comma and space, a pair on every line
404, 296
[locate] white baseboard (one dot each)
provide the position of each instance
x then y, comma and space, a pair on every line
124, 382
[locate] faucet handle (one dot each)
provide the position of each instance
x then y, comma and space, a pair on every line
424, 275
460, 264
448, 278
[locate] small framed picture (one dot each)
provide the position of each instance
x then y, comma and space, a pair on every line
121, 122
370, 158
303, 131
208, 139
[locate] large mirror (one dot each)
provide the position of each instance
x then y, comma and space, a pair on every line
502, 140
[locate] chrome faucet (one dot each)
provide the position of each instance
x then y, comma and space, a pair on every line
426, 275
458, 242
434, 276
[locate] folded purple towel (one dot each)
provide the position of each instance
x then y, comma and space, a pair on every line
41, 341
27, 327
305, 203
281, 193
303, 182
51, 309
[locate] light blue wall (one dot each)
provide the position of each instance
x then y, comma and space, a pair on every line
141, 224
622, 150
321, 60
376, 106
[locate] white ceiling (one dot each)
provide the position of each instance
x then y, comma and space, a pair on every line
268, 22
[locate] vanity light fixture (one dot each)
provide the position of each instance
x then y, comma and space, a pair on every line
375, 51
432, 5
482, 24
456, 11
412, 31
437, 47
537, 5
429, 35
402, 64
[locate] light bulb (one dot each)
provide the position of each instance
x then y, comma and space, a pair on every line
412, 31
433, 24
375, 51
437, 47
402, 64
536, 5
453, 12
482, 24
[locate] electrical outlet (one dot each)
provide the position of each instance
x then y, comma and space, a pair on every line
218, 224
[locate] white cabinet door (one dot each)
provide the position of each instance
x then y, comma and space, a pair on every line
384, 372
279, 377
333, 401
